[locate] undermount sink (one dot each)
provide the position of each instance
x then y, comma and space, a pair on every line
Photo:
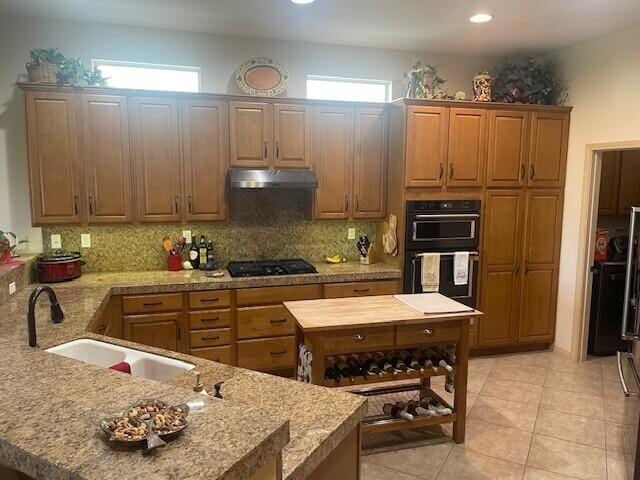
143, 364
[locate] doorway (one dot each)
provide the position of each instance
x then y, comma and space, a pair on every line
611, 186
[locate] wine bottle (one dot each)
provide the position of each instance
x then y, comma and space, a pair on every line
384, 364
425, 361
211, 264
369, 365
344, 369
396, 412
414, 408
332, 373
411, 362
399, 364
202, 253
356, 366
449, 382
434, 405
194, 256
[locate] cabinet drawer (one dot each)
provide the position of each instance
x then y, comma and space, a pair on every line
267, 354
258, 322
210, 338
216, 354
152, 303
360, 289
210, 299
355, 340
209, 319
414, 334
270, 295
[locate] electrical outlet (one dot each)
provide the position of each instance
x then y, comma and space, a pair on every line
56, 241
12, 288
351, 234
85, 240
187, 235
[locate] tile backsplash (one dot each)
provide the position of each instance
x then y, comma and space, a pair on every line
261, 224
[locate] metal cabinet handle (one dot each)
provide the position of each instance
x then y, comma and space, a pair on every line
280, 320
211, 338
357, 204
346, 203
75, 204
214, 319
361, 290
278, 150
358, 337
450, 172
517, 268
533, 172
151, 304
90, 204
176, 204
190, 203
280, 352
428, 332
441, 171
526, 267
265, 149
523, 171
625, 388
208, 300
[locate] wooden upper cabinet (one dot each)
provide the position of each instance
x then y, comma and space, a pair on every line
370, 163
332, 161
54, 169
205, 154
427, 134
292, 136
548, 149
501, 267
507, 148
610, 183
467, 147
543, 227
629, 195
107, 163
250, 134
156, 158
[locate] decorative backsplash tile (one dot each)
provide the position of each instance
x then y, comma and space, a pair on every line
261, 224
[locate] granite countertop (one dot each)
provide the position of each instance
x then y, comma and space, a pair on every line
259, 416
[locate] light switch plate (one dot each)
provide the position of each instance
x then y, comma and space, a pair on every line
187, 234
351, 234
56, 241
85, 240
12, 288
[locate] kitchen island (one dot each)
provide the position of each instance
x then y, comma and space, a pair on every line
50, 405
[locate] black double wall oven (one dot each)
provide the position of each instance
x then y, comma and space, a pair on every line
444, 227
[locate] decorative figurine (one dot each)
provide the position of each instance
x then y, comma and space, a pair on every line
482, 83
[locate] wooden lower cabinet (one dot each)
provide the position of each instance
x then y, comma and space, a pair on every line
267, 353
162, 330
539, 295
361, 289
215, 354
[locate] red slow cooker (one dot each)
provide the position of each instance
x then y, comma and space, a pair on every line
58, 267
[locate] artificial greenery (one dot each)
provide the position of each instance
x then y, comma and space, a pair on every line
71, 71
527, 80
424, 82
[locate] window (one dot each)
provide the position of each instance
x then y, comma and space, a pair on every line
350, 89
149, 76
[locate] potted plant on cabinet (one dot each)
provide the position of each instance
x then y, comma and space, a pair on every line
43, 65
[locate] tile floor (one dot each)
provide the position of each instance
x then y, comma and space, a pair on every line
532, 416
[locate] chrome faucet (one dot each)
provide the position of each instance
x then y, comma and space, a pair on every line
57, 316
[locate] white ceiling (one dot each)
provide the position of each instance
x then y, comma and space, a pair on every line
418, 25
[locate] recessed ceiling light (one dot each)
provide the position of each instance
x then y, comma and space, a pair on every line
480, 18
302, 2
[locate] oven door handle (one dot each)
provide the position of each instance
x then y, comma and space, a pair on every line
448, 215
634, 371
473, 258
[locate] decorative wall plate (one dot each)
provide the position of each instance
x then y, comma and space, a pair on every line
262, 77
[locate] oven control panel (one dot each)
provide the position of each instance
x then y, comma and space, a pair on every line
443, 206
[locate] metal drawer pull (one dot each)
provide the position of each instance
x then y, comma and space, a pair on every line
625, 388
211, 338
211, 319
361, 290
151, 304
358, 337
281, 320
281, 352
428, 332
205, 300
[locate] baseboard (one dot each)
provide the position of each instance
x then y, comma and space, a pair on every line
562, 351
488, 351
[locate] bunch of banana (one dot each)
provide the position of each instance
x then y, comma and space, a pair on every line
335, 259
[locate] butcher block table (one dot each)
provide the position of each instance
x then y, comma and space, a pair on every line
382, 324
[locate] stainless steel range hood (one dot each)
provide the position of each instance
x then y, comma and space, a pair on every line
241, 178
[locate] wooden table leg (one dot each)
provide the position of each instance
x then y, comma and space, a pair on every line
460, 387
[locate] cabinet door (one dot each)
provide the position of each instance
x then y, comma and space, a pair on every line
507, 148
548, 149
370, 163
610, 183
292, 136
467, 147
501, 268
107, 163
541, 256
426, 148
156, 158
53, 159
333, 161
205, 152
629, 195
162, 330
250, 134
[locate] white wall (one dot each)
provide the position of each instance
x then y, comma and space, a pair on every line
218, 57
603, 77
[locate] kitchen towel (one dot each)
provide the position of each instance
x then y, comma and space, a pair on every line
430, 277
461, 268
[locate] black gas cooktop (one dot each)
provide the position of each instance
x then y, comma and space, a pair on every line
270, 267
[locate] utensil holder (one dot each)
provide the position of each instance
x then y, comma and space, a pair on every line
174, 262
368, 258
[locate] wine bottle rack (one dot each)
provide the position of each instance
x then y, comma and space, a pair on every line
387, 377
